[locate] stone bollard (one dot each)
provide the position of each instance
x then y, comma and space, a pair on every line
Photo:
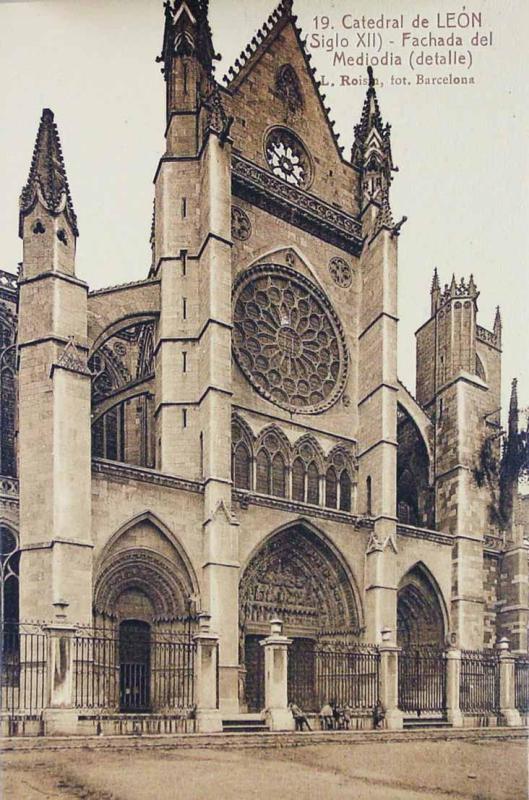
208, 716
278, 714
454, 714
508, 710
389, 681
60, 717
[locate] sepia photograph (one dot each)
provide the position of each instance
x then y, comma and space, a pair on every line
264, 400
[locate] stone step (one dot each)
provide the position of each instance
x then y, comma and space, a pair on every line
244, 724
418, 723
240, 740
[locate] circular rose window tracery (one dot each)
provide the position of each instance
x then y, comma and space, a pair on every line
287, 158
288, 340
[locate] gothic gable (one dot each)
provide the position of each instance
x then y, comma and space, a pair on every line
274, 90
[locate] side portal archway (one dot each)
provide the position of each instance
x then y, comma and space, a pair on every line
298, 577
422, 619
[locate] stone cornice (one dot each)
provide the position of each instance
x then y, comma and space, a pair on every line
260, 187
127, 472
424, 533
246, 498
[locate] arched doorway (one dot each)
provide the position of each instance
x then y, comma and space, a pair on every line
421, 615
134, 665
297, 577
145, 603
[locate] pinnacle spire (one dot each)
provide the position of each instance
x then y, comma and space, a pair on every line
435, 281
371, 152
371, 116
497, 321
513, 408
47, 181
187, 32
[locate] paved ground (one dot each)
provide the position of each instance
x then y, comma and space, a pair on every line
481, 770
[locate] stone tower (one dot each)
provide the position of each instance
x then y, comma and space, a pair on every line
192, 260
458, 383
54, 395
377, 359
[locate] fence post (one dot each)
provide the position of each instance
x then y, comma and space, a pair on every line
206, 666
389, 681
278, 714
454, 714
60, 717
508, 710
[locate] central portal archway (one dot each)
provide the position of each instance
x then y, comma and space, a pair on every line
298, 577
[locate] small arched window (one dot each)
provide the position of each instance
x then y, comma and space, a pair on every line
331, 485
345, 491
278, 476
262, 463
241, 467
369, 498
298, 480
313, 484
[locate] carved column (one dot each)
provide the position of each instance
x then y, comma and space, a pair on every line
278, 714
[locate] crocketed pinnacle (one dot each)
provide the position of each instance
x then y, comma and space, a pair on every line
47, 179
187, 32
435, 281
371, 116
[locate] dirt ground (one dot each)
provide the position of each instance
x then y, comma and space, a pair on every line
481, 770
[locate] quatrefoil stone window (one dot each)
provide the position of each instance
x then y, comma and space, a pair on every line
287, 339
287, 158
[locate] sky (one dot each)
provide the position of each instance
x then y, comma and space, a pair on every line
461, 150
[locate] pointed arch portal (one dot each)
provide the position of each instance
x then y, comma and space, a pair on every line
421, 612
297, 576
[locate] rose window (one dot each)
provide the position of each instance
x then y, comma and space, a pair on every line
287, 157
341, 272
287, 339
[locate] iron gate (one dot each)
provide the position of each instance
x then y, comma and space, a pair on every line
137, 673
521, 683
422, 680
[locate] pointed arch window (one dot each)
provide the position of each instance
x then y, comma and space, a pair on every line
242, 467
9, 572
263, 471
331, 488
313, 484
278, 476
298, 480
345, 491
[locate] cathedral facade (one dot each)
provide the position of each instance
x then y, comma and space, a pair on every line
230, 435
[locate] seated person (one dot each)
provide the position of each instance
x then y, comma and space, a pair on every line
326, 717
299, 717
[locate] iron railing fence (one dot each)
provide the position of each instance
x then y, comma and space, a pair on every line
172, 674
162, 681
343, 676
96, 676
422, 680
479, 687
23, 668
521, 683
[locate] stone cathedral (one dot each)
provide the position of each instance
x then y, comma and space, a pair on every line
229, 435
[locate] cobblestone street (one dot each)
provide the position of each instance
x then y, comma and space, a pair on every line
477, 769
